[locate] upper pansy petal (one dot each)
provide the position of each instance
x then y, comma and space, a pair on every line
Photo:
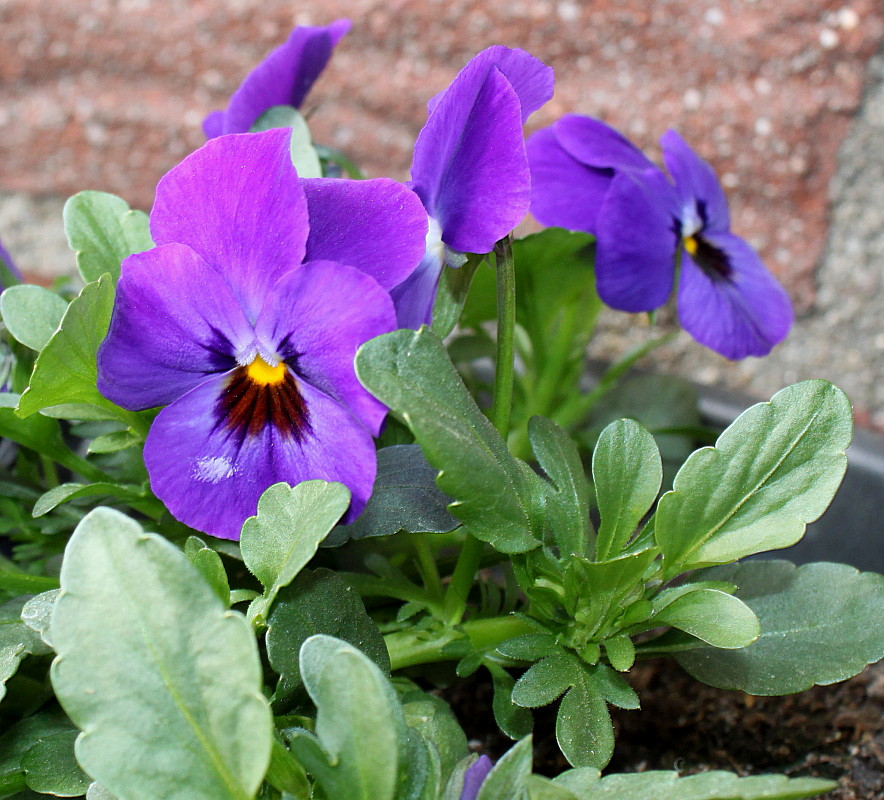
210, 475
321, 314
213, 124
596, 144
695, 182
532, 80
564, 192
378, 226
470, 168
743, 314
175, 322
284, 77
636, 242
238, 202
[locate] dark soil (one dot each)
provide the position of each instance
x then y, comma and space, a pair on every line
834, 732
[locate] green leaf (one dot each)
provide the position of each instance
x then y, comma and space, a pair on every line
208, 563
546, 680
621, 652
65, 492
37, 614
451, 296
17, 640
103, 230
433, 718
277, 543
508, 780
65, 371
318, 602
31, 313
304, 156
355, 706
583, 725
513, 720
114, 442
715, 617
23, 735
97, 792
568, 516
627, 472
405, 498
713, 785
529, 646
51, 768
815, 628
158, 672
23, 583
774, 470
411, 373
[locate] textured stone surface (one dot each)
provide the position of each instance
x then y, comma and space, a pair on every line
109, 94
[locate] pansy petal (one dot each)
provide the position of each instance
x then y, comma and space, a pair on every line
532, 80
743, 314
636, 242
210, 476
470, 168
321, 314
175, 322
283, 78
238, 202
696, 183
213, 124
8, 263
596, 144
475, 776
415, 296
564, 192
378, 226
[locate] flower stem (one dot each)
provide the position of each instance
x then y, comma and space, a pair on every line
455, 602
429, 570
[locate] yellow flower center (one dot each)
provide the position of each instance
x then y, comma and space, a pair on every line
262, 373
690, 244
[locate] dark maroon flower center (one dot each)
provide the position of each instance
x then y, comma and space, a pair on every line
259, 395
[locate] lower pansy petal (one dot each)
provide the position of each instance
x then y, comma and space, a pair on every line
175, 322
210, 473
415, 296
564, 192
320, 316
378, 226
743, 313
636, 242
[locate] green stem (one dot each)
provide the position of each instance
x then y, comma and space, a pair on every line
455, 602
427, 563
409, 647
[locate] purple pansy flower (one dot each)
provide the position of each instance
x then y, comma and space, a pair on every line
281, 79
244, 322
470, 169
588, 177
10, 266
475, 776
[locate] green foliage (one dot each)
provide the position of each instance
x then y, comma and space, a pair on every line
65, 492
304, 155
166, 681
774, 470
714, 616
103, 230
31, 314
17, 641
208, 563
509, 778
816, 628
51, 768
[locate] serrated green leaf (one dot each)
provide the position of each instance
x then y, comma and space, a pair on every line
318, 602
508, 780
404, 498
277, 543
569, 513
774, 470
546, 680
102, 230
66, 492
411, 373
304, 156
627, 473
133, 613
513, 720
583, 725
51, 768
31, 314
815, 628
65, 371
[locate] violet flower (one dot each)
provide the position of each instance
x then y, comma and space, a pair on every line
244, 322
470, 169
7, 262
588, 177
475, 776
282, 79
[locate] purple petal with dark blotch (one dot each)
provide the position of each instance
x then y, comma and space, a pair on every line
470, 168
414, 297
564, 192
175, 322
636, 242
744, 314
210, 476
378, 226
10, 264
475, 776
596, 144
238, 203
283, 78
321, 314
695, 182
532, 80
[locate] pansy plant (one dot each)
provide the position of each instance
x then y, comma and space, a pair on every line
226, 371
